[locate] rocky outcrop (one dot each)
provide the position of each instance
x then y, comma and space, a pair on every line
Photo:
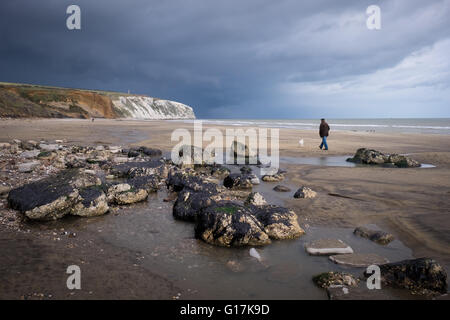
230, 224
374, 157
305, 193
52, 198
279, 223
421, 276
229, 216
21, 100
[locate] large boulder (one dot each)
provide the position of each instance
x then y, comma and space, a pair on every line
374, 157
238, 181
93, 203
230, 224
179, 179
190, 203
369, 156
124, 193
53, 197
421, 276
279, 223
305, 193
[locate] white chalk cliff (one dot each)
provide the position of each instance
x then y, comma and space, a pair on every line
143, 107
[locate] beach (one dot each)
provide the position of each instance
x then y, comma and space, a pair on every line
412, 204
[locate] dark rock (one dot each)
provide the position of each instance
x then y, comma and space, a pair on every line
190, 203
180, 179
50, 198
402, 161
246, 170
151, 152
368, 156
133, 154
377, 236
135, 169
150, 183
238, 181
374, 157
229, 224
305, 193
281, 188
329, 279
421, 276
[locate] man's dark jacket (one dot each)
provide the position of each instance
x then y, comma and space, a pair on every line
324, 130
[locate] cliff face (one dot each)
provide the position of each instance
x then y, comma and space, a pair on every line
141, 107
23, 101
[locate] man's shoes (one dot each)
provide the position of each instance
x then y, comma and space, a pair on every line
320, 147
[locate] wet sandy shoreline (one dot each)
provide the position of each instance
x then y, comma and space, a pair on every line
412, 204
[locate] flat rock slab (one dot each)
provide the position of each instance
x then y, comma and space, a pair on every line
358, 259
30, 154
28, 166
328, 247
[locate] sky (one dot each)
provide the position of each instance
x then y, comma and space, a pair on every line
254, 59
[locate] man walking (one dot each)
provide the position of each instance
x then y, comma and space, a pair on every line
324, 132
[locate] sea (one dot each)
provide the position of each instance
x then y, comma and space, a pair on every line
416, 125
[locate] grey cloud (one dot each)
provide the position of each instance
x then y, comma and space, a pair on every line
225, 58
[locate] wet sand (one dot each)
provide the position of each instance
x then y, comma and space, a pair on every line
412, 204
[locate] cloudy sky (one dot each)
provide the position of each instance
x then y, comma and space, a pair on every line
240, 58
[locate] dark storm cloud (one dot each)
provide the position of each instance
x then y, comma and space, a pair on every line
257, 59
